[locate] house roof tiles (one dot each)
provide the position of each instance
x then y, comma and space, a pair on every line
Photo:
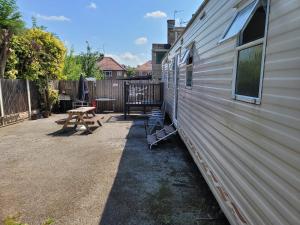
108, 63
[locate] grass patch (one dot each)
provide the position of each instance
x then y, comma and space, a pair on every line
160, 205
15, 220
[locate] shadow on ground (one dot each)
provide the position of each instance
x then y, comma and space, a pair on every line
70, 131
158, 187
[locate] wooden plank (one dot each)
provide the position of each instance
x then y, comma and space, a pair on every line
82, 110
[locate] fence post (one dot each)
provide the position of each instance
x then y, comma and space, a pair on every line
1, 100
28, 96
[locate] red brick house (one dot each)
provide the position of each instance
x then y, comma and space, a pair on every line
145, 69
112, 69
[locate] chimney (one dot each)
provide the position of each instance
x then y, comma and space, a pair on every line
171, 33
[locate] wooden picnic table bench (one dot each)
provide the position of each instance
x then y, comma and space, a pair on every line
84, 116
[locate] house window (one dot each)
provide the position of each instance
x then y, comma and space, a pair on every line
159, 57
119, 73
250, 56
108, 74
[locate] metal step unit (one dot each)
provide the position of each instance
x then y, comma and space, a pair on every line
160, 135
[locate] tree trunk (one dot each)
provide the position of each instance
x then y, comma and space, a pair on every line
4, 50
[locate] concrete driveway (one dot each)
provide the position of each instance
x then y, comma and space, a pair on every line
106, 178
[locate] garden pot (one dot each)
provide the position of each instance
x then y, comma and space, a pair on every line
46, 114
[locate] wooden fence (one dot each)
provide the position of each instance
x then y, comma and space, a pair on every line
16, 96
101, 89
15, 99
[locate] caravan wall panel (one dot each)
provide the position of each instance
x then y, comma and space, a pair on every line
248, 153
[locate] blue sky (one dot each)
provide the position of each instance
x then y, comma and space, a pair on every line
124, 29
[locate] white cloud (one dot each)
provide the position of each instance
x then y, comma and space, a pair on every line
141, 41
128, 58
156, 14
53, 18
92, 5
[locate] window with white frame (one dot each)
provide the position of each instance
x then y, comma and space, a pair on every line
119, 73
168, 74
250, 26
171, 71
108, 74
189, 60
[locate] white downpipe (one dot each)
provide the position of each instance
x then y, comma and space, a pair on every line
1, 100
28, 96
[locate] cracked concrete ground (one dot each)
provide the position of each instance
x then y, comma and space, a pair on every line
106, 178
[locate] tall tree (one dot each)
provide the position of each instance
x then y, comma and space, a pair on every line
10, 23
89, 61
38, 55
131, 71
72, 68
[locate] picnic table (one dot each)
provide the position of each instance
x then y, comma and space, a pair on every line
84, 116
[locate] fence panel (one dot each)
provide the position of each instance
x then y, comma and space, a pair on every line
69, 87
14, 96
105, 89
34, 96
111, 89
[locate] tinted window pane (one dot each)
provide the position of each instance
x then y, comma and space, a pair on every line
159, 57
248, 71
240, 21
256, 27
189, 75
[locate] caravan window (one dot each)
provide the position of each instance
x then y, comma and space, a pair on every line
239, 21
171, 68
250, 57
169, 74
189, 67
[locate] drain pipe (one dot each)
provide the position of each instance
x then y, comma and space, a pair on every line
28, 97
1, 100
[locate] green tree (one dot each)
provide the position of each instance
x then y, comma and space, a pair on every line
36, 54
89, 61
35, 24
72, 68
10, 23
131, 71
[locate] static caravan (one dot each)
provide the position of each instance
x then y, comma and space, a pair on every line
232, 87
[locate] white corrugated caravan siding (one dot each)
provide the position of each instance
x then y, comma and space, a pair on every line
248, 154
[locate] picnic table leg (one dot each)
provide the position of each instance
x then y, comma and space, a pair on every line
76, 123
80, 117
67, 121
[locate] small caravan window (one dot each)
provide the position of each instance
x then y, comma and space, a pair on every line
185, 56
172, 71
250, 57
239, 21
189, 67
169, 74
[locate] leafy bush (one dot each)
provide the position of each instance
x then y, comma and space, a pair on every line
53, 97
35, 55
